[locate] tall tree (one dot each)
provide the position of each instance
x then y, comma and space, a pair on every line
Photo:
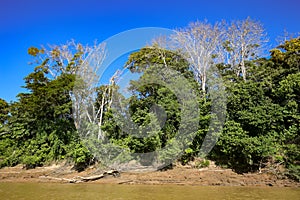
244, 40
200, 43
154, 109
41, 125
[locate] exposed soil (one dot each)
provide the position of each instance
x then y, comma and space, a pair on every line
179, 175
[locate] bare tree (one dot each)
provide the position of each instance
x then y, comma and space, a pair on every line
244, 40
61, 59
85, 89
91, 101
106, 101
285, 36
81, 61
84, 63
200, 43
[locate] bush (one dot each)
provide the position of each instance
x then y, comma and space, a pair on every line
202, 163
32, 162
294, 172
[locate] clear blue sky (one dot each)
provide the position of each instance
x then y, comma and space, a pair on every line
25, 23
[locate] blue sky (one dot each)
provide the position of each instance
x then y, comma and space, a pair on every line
25, 23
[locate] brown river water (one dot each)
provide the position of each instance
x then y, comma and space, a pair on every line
54, 191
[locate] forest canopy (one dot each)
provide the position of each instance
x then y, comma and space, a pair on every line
262, 118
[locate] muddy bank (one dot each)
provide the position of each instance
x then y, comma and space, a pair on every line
179, 175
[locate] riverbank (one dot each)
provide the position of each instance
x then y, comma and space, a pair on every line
179, 175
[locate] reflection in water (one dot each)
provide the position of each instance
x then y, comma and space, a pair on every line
54, 191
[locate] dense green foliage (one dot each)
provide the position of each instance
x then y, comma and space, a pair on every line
39, 127
153, 106
261, 129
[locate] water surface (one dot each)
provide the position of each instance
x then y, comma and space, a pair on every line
54, 191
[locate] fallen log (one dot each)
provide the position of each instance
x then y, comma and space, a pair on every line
90, 178
59, 179
80, 179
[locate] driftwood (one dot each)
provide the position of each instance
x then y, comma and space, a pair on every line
80, 179
60, 179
